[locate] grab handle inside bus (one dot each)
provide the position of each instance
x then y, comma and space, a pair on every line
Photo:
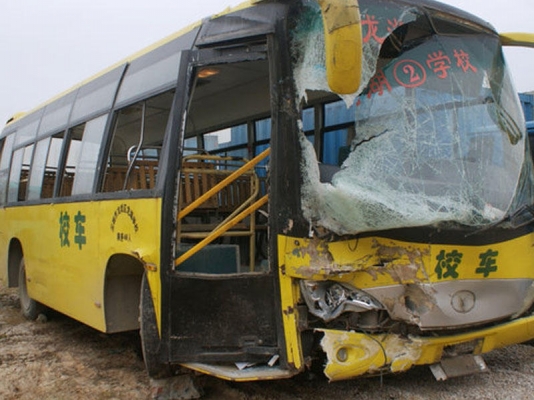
343, 44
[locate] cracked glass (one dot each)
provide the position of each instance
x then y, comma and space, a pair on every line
439, 135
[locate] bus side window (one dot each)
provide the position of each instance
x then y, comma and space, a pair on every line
5, 160
20, 169
132, 162
38, 167
530, 133
73, 156
90, 149
338, 133
52, 165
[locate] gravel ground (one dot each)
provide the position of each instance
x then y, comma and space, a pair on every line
63, 359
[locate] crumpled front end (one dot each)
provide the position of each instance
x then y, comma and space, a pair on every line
379, 304
417, 190
352, 354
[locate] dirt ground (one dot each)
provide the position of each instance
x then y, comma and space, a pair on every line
63, 359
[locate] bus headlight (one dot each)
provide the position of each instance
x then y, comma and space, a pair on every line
328, 300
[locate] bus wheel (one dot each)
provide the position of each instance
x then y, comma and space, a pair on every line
29, 307
149, 335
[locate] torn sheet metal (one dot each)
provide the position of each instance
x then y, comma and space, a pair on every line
240, 23
377, 261
351, 354
414, 283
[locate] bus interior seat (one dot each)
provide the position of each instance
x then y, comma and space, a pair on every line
143, 175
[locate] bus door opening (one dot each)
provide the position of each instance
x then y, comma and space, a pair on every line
223, 288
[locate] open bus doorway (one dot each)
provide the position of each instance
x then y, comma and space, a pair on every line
224, 294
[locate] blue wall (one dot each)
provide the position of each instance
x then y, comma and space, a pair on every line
527, 101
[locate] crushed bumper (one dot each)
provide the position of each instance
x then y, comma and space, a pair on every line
351, 354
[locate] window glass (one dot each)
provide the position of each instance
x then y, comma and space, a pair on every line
27, 132
52, 165
73, 157
338, 113
90, 150
138, 133
225, 138
2, 143
20, 168
39, 161
335, 146
154, 71
262, 167
263, 129
56, 115
191, 146
5, 161
97, 96
239, 153
308, 119
14, 176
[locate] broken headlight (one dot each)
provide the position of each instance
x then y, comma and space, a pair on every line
328, 300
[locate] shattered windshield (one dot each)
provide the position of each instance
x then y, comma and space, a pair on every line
438, 129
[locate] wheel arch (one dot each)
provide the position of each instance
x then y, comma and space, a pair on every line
122, 287
14, 256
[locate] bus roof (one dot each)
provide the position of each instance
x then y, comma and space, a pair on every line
211, 37
21, 114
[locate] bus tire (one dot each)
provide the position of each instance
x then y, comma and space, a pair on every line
150, 339
30, 308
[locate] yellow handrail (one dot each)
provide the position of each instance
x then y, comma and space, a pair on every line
219, 232
225, 182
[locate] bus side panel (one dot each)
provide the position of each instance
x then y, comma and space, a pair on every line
67, 247
4, 244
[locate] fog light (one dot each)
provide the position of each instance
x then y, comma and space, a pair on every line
342, 354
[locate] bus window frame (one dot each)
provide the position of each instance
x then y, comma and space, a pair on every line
16, 170
93, 129
5, 166
109, 136
37, 172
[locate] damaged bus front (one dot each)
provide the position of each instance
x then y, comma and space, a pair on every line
404, 227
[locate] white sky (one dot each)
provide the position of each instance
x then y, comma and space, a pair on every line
47, 46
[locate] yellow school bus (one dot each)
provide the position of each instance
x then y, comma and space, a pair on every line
335, 182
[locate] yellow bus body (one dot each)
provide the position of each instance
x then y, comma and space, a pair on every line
71, 278
227, 286
360, 263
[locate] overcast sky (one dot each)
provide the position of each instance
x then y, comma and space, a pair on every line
47, 46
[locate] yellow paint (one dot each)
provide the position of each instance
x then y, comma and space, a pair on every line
70, 278
290, 293
374, 261
394, 353
343, 44
517, 39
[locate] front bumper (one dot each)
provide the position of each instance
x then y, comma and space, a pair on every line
352, 354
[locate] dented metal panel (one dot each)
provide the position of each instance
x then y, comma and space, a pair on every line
240, 25
428, 286
350, 354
